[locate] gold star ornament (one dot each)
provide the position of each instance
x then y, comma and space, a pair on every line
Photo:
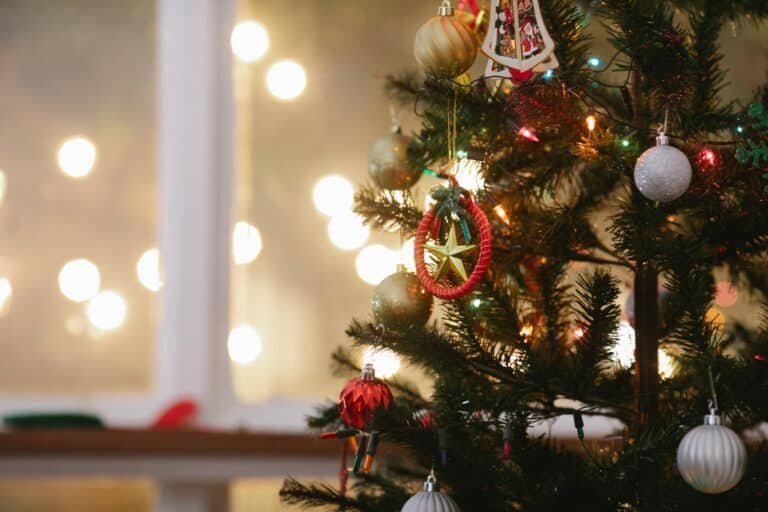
448, 255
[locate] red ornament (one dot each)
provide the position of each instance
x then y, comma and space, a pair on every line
362, 397
427, 226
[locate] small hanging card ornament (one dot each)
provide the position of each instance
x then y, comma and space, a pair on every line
517, 42
437, 235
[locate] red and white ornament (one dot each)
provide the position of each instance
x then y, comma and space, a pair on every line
517, 43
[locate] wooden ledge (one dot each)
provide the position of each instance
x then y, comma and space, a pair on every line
126, 442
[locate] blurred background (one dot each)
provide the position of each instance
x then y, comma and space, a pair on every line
81, 270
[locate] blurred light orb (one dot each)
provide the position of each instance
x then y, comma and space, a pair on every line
469, 174
76, 156
333, 195
79, 280
348, 232
384, 361
244, 344
715, 317
246, 243
375, 262
107, 311
286, 80
249, 40
6, 292
3, 186
407, 258
667, 365
726, 295
148, 270
624, 349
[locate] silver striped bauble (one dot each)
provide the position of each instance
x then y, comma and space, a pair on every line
430, 500
712, 458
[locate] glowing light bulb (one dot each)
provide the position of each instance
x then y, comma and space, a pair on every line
591, 123
249, 40
739, 129
502, 214
527, 133
333, 195
244, 344
148, 270
625, 143
469, 174
549, 74
76, 156
79, 280
374, 263
246, 243
385, 362
286, 80
107, 311
667, 365
3, 186
348, 232
707, 157
407, 258
594, 62
6, 293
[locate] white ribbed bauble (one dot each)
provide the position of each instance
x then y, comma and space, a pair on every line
712, 458
663, 173
430, 500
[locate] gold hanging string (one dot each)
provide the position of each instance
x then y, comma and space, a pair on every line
452, 133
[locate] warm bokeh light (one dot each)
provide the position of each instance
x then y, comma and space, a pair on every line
3, 186
107, 311
469, 174
246, 243
715, 317
667, 365
726, 295
407, 258
244, 344
6, 292
249, 40
591, 123
375, 262
385, 362
148, 270
286, 80
624, 349
76, 156
348, 232
333, 195
79, 280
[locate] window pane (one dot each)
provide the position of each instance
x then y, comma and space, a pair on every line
300, 293
77, 155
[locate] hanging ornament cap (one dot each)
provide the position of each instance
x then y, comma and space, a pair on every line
446, 9
431, 484
369, 373
662, 139
713, 418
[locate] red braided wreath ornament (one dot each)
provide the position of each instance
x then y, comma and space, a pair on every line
483, 260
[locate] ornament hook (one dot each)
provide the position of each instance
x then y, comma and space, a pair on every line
431, 484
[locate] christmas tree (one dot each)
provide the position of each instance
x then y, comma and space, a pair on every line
592, 172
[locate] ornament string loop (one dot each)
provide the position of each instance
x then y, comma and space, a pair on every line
712, 403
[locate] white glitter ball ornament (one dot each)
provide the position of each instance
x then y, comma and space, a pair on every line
663, 173
430, 499
712, 458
